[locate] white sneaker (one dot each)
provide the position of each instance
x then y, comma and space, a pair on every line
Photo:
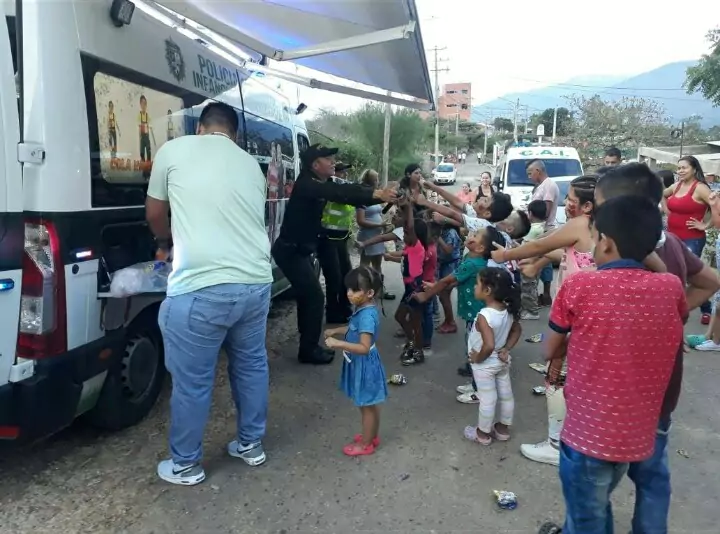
708, 345
468, 398
465, 388
529, 316
542, 452
182, 475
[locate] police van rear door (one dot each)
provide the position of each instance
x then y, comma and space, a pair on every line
11, 223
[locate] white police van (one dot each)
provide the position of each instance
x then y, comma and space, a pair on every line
94, 103
511, 172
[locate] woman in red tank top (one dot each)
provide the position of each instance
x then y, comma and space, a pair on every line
687, 204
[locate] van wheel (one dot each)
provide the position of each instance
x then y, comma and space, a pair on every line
133, 383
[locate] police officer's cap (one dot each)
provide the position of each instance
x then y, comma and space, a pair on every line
316, 151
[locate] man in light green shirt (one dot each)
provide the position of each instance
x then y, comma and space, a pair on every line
219, 289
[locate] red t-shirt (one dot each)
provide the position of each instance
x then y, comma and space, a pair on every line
412, 262
626, 325
430, 264
682, 263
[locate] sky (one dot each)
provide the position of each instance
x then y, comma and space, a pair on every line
503, 47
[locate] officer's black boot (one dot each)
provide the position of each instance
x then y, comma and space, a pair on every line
316, 356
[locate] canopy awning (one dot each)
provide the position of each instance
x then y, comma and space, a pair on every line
373, 42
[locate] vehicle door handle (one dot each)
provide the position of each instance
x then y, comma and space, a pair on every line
7, 284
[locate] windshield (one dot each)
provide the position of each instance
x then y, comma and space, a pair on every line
564, 187
517, 174
445, 168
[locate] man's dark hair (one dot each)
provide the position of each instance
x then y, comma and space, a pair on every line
537, 163
634, 223
631, 179
492, 235
667, 177
221, 116
613, 152
538, 209
501, 207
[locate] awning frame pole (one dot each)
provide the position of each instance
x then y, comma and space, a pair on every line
349, 43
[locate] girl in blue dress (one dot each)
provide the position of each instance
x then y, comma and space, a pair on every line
363, 376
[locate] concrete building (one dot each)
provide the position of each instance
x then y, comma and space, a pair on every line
708, 154
455, 98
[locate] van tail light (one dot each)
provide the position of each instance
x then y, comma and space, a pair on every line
43, 325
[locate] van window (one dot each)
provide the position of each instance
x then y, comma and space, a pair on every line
264, 136
303, 143
517, 173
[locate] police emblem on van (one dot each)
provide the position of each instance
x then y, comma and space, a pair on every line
174, 58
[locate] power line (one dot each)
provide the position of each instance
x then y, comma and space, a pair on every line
550, 84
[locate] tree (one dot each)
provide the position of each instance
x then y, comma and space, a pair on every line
360, 135
546, 118
502, 124
705, 76
625, 123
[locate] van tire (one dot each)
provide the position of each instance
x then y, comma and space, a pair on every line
135, 380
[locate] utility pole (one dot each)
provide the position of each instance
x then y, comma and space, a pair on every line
457, 132
487, 122
515, 119
554, 123
386, 144
527, 118
437, 70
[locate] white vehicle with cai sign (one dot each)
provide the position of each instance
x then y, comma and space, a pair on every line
445, 173
511, 172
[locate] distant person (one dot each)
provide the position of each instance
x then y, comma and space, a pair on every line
613, 157
466, 195
480, 157
218, 293
486, 188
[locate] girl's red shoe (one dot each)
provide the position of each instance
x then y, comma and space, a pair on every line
356, 449
358, 439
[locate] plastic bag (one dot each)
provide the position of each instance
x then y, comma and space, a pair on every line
146, 277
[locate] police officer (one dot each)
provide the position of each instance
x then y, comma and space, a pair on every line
333, 252
298, 240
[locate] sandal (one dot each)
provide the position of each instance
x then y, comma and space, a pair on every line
499, 435
359, 437
471, 434
355, 449
447, 328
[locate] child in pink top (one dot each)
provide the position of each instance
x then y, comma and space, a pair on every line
412, 259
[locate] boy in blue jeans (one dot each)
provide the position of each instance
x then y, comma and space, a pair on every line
627, 324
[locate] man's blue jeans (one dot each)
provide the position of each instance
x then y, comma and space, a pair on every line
652, 487
587, 484
195, 326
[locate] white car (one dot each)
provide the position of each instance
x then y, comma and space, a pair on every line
445, 173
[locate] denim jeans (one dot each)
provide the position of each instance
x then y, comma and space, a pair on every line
195, 326
546, 274
652, 487
428, 325
696, 246
587, 484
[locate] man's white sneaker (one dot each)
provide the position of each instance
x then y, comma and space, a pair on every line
542, 452
708, 345
529, 316
468, 398
465, 388
183, 475
252, 454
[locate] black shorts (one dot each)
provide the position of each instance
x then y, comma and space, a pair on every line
410, 290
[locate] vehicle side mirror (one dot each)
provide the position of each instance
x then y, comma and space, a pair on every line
497, 183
